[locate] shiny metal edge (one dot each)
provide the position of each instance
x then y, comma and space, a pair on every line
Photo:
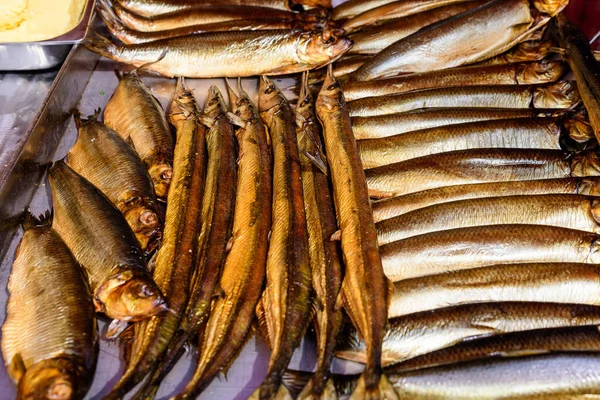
27, 56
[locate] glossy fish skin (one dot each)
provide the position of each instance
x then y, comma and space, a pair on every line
517, 344
396, 206
373, 39
531, 50
474, 75
102, 157
202, 14
557, 95
354, 7
243, 274
382, 126
229, 54
324, 254
341, 68
135, 114
49, 337
480, 246
396, 9
100, 239
176, 256
478, 166
440, 45
563, 210
558, 283
285, 306
584, 66
520, 133
148, 8
365, 288
420, 333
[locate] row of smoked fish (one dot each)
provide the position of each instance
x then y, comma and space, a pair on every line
476, 151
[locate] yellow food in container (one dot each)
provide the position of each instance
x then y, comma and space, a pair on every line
34, 20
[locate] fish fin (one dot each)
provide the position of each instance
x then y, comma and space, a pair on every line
383, 391
16, 367
263, 327
317, 161
31, 221
235, 119
380, 194
337, 236
295, 381
116, 327
229, 244
234, 356
327, 392
146, 65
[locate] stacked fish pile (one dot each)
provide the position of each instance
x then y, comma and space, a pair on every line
481, 239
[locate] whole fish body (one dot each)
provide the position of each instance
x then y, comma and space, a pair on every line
373, 39
138, 117
382, 126
474, 75
148, 8
102, 157
557, 283
176, 255
232, 313
284, 309
396, 9
100, 239
202, 14
324, 254
395, 206
480, 246
584, 66
519, 133
229, 54
531, 50
365, 288
572, 211
478, 166
449, 43
49, 337
561, 94
420, 333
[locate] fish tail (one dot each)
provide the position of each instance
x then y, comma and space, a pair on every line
110, 18
373, 385
319, 387
31, 221
101, 45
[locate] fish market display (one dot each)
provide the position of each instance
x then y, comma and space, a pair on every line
49, 338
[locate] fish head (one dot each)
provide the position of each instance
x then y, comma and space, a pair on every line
321, 48
561, 94
183, 106
270, 98
145, 223
331, 95
586, 163
550, 7
53, 379
529, 50
540, 71
215, 103
161, 174
129, 295
305, 105
589, 186
241, 104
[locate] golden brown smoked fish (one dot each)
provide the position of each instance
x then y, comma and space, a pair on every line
373, 39
229, 54
176, 255
450, 43
517, 344
49, 337
395, 206
102, 157
149, 8
102, 242
135, 114
415, 334
479, 246
314, 3
519, 133
474, 75
561, 94
341, 68
354, 7
558, 283
397, 9
365, 288
218, 205
203, 14
127, 35
563, 210
242, 278
478, 166
324, 254
381, 126
584, 66
285, 306
531, 50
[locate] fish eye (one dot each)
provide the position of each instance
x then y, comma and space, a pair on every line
166, 174
333, 86
270, 89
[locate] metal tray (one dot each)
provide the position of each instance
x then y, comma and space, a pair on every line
87, 82
45, 54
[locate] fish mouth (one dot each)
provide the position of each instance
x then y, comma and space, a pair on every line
59, 378
146, 226
161, 175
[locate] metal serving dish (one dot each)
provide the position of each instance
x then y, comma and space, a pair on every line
45, 54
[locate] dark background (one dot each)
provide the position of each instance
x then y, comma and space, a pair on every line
586, 14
